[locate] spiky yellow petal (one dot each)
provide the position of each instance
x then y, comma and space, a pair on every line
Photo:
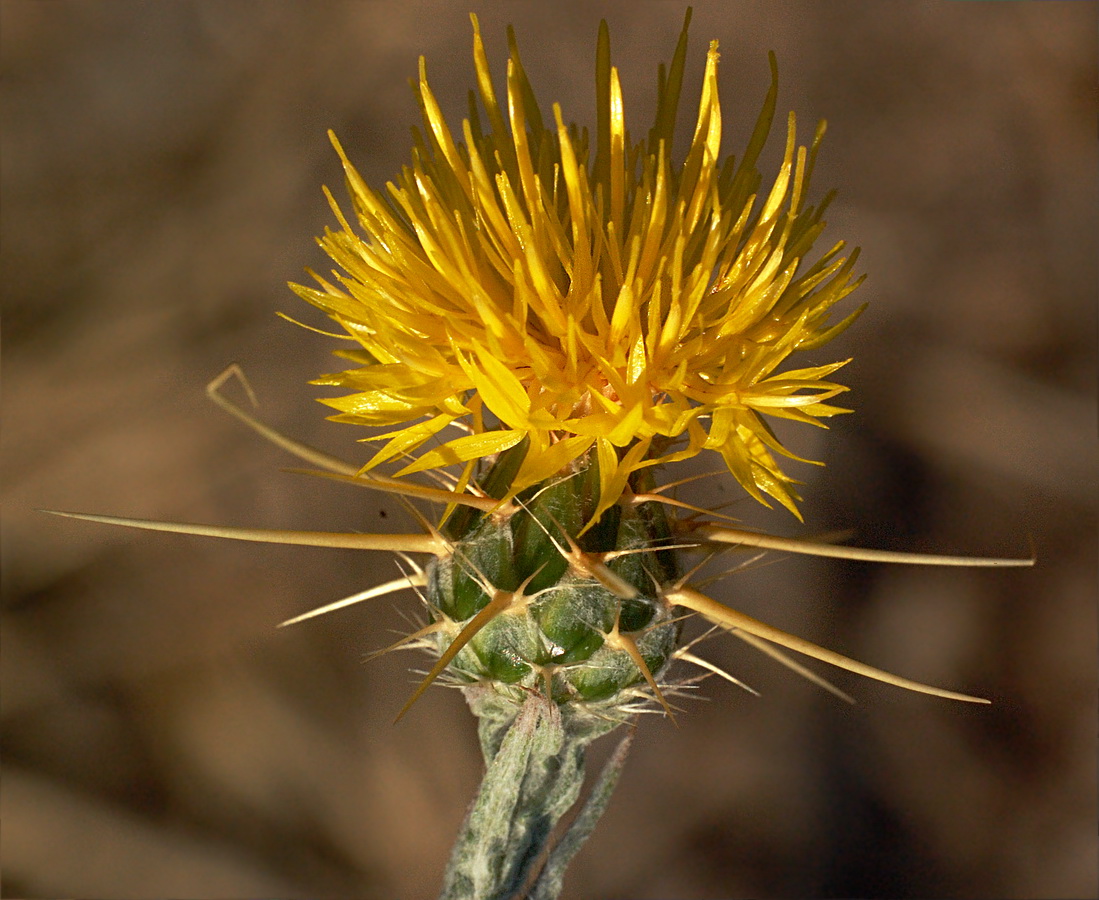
519, 281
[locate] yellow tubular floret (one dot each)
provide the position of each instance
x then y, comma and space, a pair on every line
518, 281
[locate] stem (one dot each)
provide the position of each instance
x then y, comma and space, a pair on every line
535, 771
551, 879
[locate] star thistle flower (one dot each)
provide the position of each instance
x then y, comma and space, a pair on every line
530, 286
583, 312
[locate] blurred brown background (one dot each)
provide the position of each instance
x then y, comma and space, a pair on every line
162, 166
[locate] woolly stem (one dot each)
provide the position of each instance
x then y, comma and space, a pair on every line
534, 775
551, 879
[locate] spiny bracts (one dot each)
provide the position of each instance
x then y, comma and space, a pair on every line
537, 596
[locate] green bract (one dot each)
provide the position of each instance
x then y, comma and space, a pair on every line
581, 613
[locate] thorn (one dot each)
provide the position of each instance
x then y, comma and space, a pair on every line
792, 664
742, 566
459, 489
614, 554
713, 533
417, 635
735, 620
411, 563
474, 572
390, 587
687, 576
652, 626
546, 672
397, 543
500, 601
411, 489
698, 640
638, 499
293, 321
420, 518
688, 480
590, 564
296, 448
619, 641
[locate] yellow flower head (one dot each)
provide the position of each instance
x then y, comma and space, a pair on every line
525, 285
